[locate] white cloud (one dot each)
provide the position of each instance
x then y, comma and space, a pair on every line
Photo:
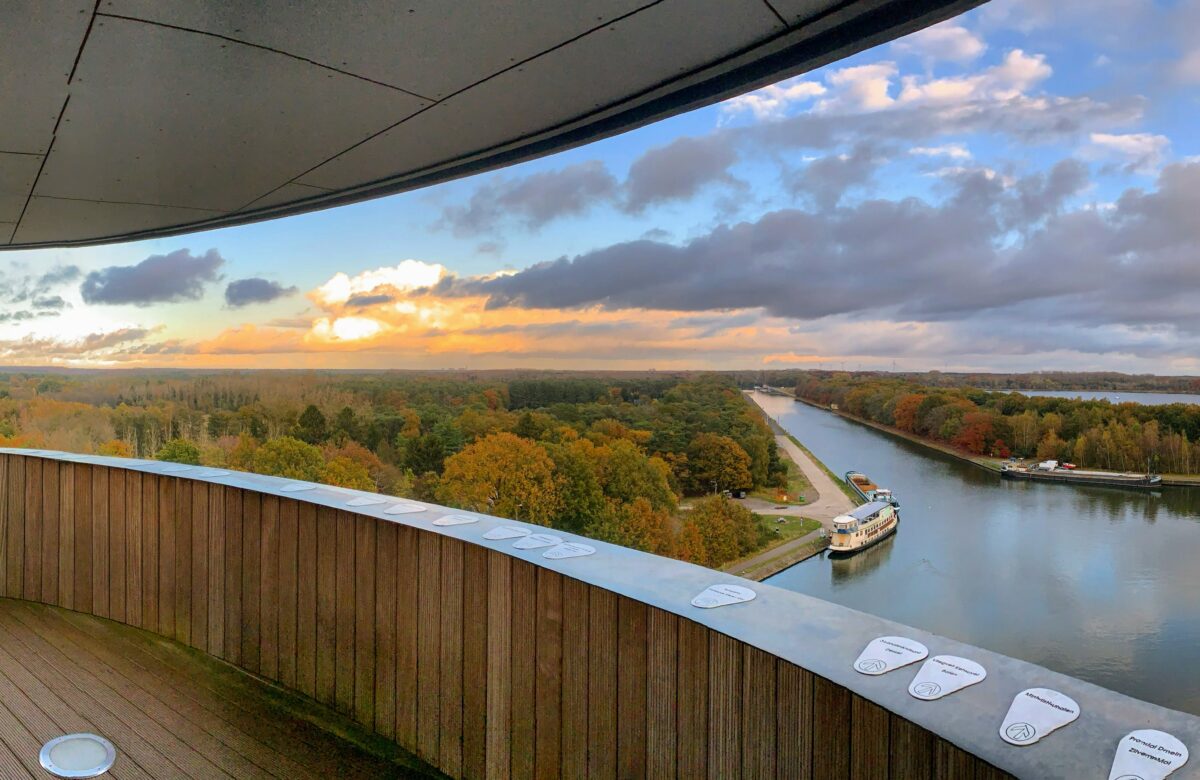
1012, 78
945, 41
1142, 152
773, 101
860, 88
955, 151
408, 275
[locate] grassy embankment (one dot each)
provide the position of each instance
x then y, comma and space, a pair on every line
792, 528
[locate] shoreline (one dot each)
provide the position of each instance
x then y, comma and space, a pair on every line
980, 461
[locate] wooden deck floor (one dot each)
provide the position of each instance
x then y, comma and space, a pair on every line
171, 712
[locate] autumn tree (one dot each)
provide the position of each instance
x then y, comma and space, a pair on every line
344, 472
729, 530
626, 474
580, 495
179, 451
291, 458
502, 474
717, 462
311, 428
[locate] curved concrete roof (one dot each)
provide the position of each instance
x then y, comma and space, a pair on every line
128, 119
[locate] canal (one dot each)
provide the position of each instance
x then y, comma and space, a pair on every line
1097, 583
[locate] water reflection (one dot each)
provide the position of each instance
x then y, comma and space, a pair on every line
1097, 583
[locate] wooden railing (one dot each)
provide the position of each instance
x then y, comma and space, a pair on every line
486, 661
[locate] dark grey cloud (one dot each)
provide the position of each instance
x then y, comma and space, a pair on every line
243, 292
490, 247
29, 287
678, 170
364, 301
50, 302
825, 180
988, 250
533, 200
178, 276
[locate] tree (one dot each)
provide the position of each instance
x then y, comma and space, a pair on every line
727, 529
502, 474
580, 496
626, 474
424, 454
115, 447
344, 472
717, 463
179, 451
310, 428
291, 458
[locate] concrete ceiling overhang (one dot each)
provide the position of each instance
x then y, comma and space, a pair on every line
126, 119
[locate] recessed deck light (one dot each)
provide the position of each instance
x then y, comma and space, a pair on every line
78, 755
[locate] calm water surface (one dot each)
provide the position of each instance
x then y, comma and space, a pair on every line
1150, 399
1097, 583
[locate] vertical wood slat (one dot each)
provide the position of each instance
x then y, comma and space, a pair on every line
408, 590
344, 665
576, 623
831, 717
32, 585
631, 687
499, 670
326, 584
150, 566
869, 740
5, 460
429, 702
84, 524
183, 560
910, 750
364, 619
50, 531
692, 692
66, 535
602, 683
662, 670
475, 661
951, 762
548, 685
15, 542
166, 555
725, 706
100, 540
199, 524
134, 542
289, 538
794, 715
252, 580
216, 570
450, 668
759, 710
385, 630
233, 577
117, 544
268, 589
306, 599
524, 668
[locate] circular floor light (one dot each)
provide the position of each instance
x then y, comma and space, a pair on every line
78, 755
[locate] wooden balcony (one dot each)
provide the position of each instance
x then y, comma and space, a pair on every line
483, 660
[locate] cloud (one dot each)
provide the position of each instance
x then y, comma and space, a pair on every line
50, 302
946, 41
827, 179
533, 200
773, 102
678, 170
406, 275
1141, 152
243, 292
178, 276
860, 88
955, 151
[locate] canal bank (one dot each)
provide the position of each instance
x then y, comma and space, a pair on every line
1092, 582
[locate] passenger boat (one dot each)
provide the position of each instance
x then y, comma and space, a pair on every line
868, 491
857, 530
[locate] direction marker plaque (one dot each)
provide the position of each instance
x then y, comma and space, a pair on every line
175, 469
366, 501
942, 675
1147, 754
1036, 712
569, 550
533, 541
455, 520
296, 487
404, 508
212, 473
885, 653
507, 532
722, 595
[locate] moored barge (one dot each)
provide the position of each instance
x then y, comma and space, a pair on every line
1051, 471
868, 491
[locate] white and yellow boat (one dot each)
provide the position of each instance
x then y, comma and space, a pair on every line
857, 530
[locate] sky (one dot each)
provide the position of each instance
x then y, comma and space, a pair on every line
1016, 189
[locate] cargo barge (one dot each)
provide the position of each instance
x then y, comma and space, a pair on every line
868, 491
1052, 471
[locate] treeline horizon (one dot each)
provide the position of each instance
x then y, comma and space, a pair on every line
608, 457
1090, 433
